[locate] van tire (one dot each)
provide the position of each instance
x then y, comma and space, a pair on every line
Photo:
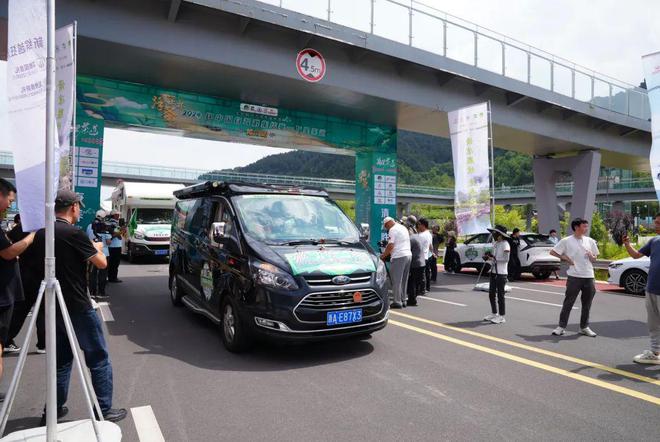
234, 333
129, 253
176, 294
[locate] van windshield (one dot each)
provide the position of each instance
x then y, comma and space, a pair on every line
153, 216
281, 219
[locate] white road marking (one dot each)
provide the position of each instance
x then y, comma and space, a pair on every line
535, 290
537, 302
106, 313
146, 424
443, 301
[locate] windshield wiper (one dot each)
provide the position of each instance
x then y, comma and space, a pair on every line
301, 242
316, 242
341, 242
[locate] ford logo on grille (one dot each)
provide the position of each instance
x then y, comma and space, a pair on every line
341, 280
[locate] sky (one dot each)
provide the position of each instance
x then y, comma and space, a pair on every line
608, 36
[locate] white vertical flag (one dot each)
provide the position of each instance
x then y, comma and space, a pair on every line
26, 94
469, 144
64, 105
652, 73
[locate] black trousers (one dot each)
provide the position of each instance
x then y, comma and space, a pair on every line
514, 266
573, 287
431, 270
113, 263
450, 260
497, 285
21, 310
415, 283
98, 279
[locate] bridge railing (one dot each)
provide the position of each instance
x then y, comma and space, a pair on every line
418, 25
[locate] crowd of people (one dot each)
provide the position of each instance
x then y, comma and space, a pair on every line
22, 257
412, 251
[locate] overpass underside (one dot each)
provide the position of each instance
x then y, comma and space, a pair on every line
246, 51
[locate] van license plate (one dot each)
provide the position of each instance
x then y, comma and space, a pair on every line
344, 317
161, 252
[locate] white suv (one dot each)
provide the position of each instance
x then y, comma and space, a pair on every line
534, 253
629, 273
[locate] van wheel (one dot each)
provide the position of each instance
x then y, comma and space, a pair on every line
131, 256
235, 335
175, 291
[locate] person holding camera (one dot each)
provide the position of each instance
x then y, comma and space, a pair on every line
580, 252
652, 250
74, 251
498, 260
114, 249
97, 232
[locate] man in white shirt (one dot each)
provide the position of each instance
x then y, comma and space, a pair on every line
580, 252
398, 250
427, 246
499, 269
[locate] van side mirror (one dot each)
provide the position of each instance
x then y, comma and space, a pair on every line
218, 231
364, 231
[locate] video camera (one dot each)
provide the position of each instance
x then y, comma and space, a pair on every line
105, 225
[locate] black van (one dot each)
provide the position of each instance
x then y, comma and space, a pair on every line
274, 261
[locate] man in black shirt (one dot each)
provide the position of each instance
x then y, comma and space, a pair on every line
30, 291
73, 250
11, 289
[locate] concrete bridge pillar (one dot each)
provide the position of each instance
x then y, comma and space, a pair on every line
403, 209
584, 168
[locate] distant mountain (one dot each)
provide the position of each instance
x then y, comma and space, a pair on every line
423, 160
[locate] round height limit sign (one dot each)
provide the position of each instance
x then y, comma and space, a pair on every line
310, 65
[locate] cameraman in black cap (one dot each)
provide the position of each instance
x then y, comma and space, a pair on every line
73, 250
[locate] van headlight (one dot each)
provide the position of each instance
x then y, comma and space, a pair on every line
138, 235
271, 276
381, 273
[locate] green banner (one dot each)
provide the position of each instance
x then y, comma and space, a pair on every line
226, 120
130, 104
88, 163
330, 262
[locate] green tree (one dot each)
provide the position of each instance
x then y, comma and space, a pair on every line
509, 218
598, 230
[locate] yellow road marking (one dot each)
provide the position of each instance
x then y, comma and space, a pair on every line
560, 371
553, 354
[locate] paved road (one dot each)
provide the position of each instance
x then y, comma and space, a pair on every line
434, 373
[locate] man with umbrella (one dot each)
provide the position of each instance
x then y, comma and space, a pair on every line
498, 260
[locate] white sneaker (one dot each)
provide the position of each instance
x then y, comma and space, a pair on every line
41, 351
559, 331
648, 357
488, 318
588, 332
498, 319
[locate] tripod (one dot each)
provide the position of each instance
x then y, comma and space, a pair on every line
52, 291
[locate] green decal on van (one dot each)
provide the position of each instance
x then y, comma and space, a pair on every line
330, 262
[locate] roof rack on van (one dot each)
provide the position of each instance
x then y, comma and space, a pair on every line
236, 188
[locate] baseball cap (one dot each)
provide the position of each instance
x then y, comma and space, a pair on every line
66, 198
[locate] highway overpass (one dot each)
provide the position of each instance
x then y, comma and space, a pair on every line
608, 191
